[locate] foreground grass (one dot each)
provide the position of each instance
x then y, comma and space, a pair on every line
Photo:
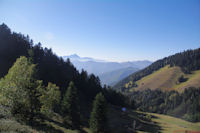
123, 122
118, 122
170, 124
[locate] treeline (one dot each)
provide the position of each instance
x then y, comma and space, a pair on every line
35, 81
184, 105
188, 61
30, 101
50, 67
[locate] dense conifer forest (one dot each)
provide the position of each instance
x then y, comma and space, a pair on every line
184, 105
35, 83
50, 67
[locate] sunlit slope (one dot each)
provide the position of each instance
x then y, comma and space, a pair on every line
121, 122
167, 78
193, 80
170, 124
164, 78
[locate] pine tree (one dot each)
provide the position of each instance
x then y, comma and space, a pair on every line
70, 106
49, 99
98, 120
22, 90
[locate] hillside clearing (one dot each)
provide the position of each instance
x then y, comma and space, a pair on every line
166, 78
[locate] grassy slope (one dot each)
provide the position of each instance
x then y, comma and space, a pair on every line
118, 122
171, 124
193, 80
166, 78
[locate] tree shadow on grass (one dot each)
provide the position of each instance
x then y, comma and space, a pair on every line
45, 124
41, 126
131, 121
145, 123
60, 124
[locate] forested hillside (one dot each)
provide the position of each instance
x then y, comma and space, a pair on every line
40, 92
183, 105
50, 67
36, 84
168, 86
188, 61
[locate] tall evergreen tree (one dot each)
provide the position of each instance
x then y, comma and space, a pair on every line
71, 107
22, 90
98, 120
49, 98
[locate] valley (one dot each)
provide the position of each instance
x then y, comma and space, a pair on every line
108, 72
41, 92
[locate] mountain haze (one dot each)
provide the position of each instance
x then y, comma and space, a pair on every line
111, 78
108, 72
97, 66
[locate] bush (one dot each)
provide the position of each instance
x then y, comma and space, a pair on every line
148, 117
182, 79
192, 117
5, 126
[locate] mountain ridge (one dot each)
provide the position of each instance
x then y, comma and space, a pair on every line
108, 72
111, 78
188, 62
97, 66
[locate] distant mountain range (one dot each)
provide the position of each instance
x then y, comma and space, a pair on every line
108, 72
75, 57
111, 78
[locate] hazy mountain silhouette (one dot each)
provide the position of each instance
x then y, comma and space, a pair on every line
101, 67
111, 78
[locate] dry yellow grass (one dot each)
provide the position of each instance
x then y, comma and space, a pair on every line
166, 78
174, 125
193, 81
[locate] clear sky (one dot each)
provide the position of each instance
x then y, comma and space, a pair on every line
116, 30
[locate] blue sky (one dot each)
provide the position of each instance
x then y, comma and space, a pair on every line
115, 30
